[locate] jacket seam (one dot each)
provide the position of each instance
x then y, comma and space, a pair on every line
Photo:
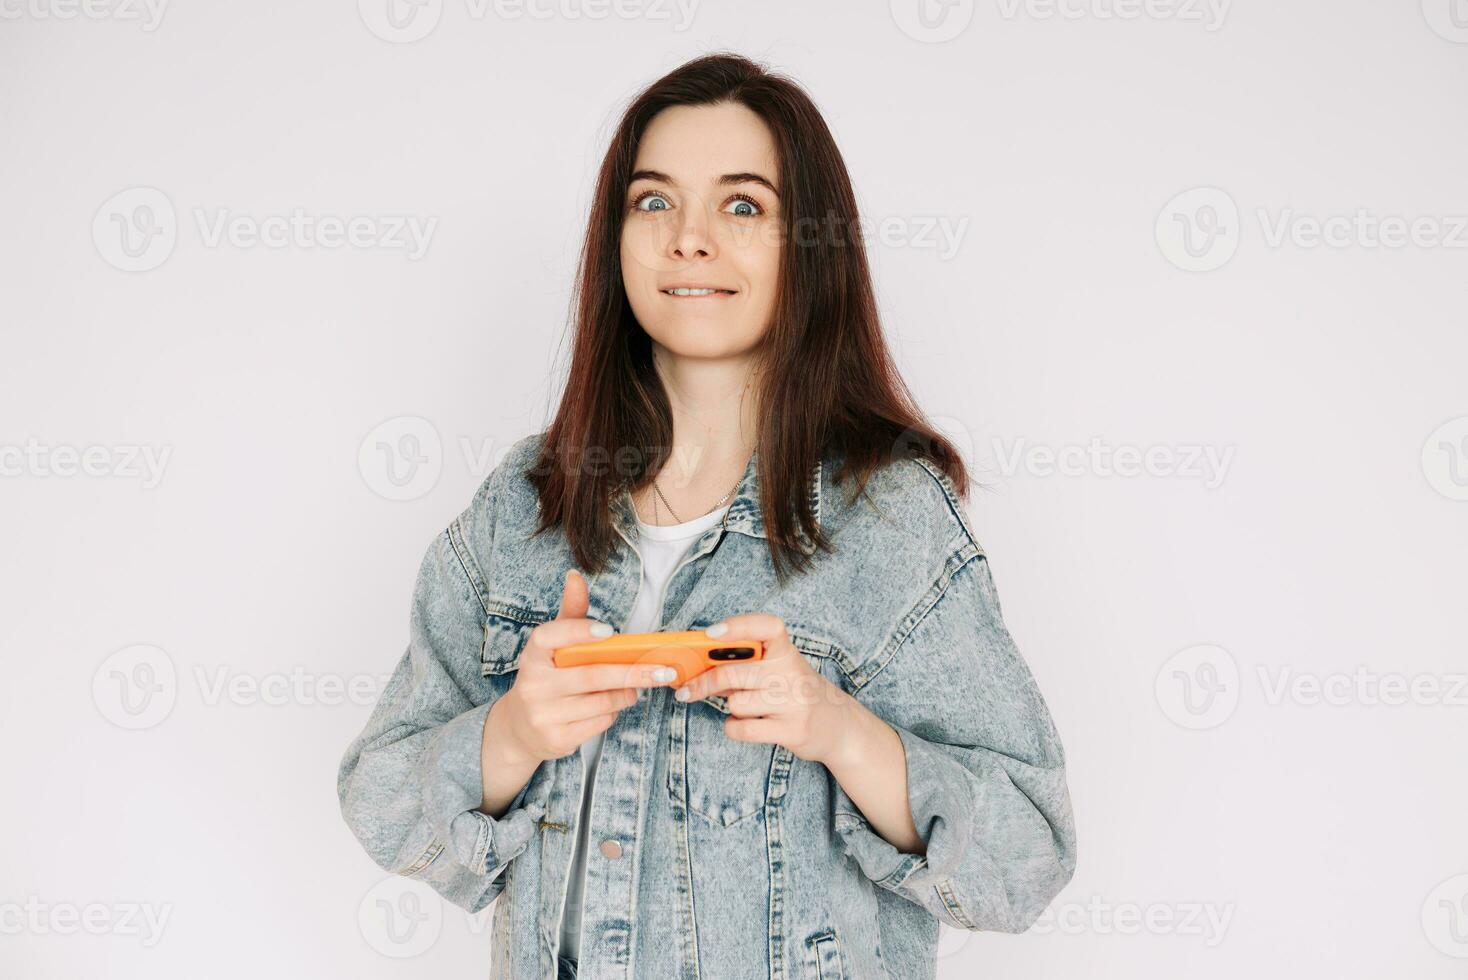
920, 610
954, 907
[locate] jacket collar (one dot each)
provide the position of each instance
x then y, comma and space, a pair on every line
745, 515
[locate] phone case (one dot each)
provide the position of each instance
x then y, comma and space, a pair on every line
690, 652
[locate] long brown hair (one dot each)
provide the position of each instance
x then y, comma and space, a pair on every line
826, 383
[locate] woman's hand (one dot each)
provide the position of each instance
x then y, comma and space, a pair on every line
779, 699
551, 710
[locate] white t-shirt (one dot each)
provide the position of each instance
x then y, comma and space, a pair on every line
661, 548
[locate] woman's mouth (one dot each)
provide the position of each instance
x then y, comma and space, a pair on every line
696, 292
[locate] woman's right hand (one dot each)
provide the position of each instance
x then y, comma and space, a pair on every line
549, 711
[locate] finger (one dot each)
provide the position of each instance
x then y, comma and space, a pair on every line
753, 626
556, 633
749, 704
580, 731
579, 707
607, 677
752, 729
726, 677
575, 596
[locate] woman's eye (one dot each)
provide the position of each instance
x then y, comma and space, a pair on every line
745, 208
649, 198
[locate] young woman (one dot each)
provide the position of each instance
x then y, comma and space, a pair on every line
735, 452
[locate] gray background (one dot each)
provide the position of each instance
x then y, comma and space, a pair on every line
1257, 665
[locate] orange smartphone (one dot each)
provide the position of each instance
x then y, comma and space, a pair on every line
690, 652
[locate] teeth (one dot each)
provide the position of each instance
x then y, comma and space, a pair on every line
694, 292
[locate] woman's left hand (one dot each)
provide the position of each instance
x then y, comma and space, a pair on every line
780, 698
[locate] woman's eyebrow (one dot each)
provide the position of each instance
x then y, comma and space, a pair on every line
726, 179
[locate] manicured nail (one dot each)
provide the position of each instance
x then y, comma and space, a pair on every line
602, 630
718, 629
664, 674
681, 694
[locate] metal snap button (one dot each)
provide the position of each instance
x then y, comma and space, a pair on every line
611, 849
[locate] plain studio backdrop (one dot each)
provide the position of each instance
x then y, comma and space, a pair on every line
1187, 281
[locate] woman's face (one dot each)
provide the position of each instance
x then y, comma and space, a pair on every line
703, 211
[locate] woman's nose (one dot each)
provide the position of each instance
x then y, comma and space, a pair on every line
692, 238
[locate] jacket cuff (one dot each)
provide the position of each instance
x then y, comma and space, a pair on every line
452, 784
940, 814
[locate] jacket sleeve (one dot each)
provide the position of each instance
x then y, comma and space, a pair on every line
410, 783
985, 767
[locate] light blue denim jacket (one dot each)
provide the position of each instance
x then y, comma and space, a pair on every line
737, 861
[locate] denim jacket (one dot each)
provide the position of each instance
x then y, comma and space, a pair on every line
709, 857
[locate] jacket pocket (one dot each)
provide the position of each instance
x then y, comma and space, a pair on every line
507, 627
823, 957
728, 781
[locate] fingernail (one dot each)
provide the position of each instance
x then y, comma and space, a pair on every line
718, 629
602, 630
664, 674
681, 694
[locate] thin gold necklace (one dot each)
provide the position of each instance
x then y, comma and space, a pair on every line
678, 520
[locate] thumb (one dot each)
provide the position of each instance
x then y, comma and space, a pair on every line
575, 596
